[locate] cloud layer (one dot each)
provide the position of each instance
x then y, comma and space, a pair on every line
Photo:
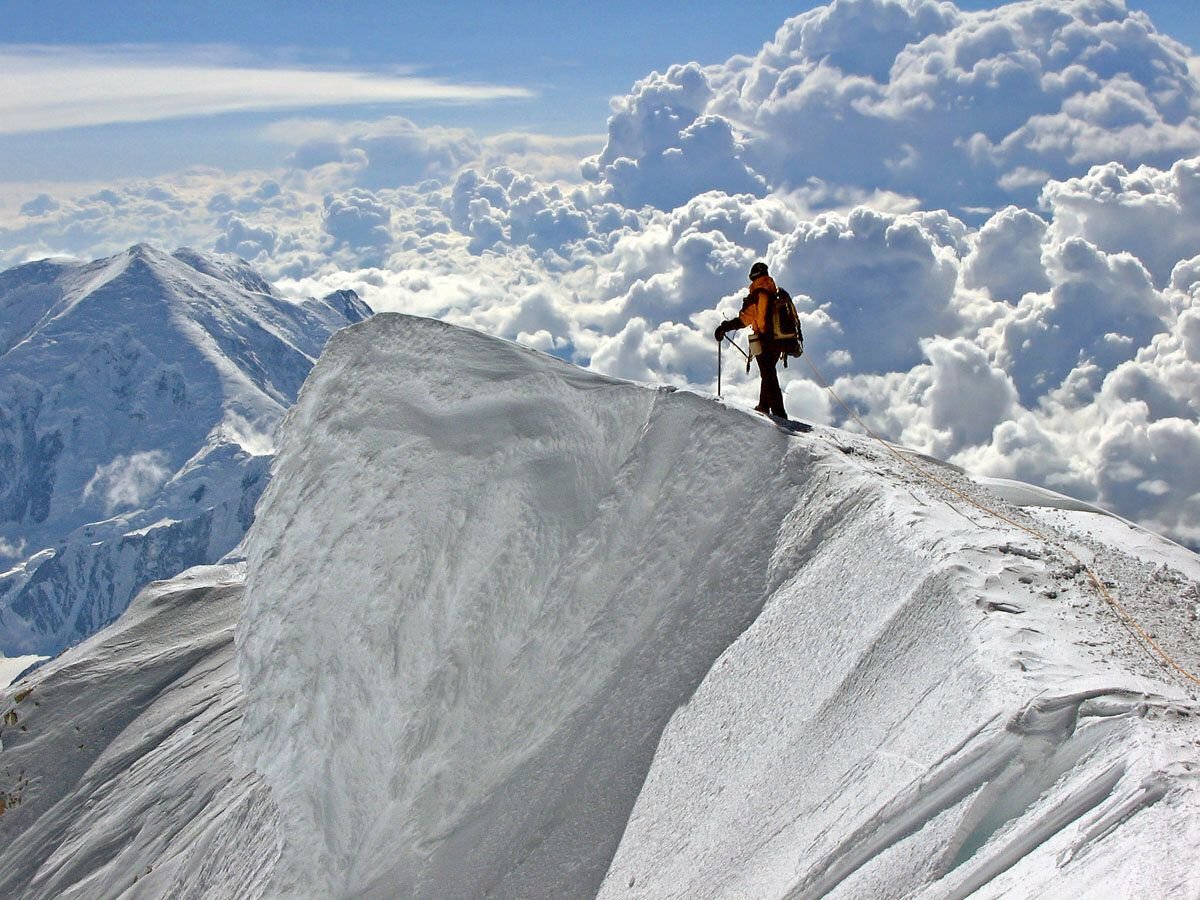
954, 108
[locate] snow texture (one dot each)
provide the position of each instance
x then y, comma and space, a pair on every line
116, 771
551, 634
11, 667
138, 399
511, 628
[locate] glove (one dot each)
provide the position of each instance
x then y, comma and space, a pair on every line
727, 326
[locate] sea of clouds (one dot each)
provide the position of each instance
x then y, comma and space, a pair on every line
990, 222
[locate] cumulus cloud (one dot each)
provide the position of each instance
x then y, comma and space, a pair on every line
886, 280
663, 149
1147, 470
961, 109
387, 153
967, 397
948, 405
1034, 449
679, 264
1153, 214
506, 206
67, 87
128, 481
245, 239
1136, 445
669, 352
1100, 311
358, 219
1006, 256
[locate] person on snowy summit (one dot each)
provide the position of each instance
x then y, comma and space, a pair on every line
755, 311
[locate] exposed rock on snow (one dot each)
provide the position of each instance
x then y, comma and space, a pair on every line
138, 400
514, 629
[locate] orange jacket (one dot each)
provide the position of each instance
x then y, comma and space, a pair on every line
754, 309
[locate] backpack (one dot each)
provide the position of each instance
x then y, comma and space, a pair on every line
785, 325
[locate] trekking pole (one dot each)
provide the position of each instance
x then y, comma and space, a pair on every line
719, 344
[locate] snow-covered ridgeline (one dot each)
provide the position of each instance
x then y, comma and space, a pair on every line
138, 399
497, 545
517, 629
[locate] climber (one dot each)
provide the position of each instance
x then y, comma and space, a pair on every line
766, 310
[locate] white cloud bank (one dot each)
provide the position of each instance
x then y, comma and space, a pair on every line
1054, 339
47, 88
960, 109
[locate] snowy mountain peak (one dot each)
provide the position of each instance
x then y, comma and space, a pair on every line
227, 268
349, 303
139, 388
33, 295
145, 251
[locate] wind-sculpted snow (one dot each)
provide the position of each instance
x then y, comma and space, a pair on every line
533, 566
516, 629
138, 398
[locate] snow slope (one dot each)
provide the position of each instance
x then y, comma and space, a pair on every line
550, 633
510, 628
138, 399
116, 773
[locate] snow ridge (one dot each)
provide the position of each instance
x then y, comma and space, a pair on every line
116, 766
510, 628
554, 634
514, 523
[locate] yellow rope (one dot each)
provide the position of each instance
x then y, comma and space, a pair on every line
1122, 614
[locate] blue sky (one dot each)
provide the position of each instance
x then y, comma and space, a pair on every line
518, 66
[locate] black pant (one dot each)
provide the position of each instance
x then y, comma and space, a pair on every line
770, 397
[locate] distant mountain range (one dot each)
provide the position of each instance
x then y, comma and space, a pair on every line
139, 397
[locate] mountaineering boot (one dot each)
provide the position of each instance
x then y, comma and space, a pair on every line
793, 425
